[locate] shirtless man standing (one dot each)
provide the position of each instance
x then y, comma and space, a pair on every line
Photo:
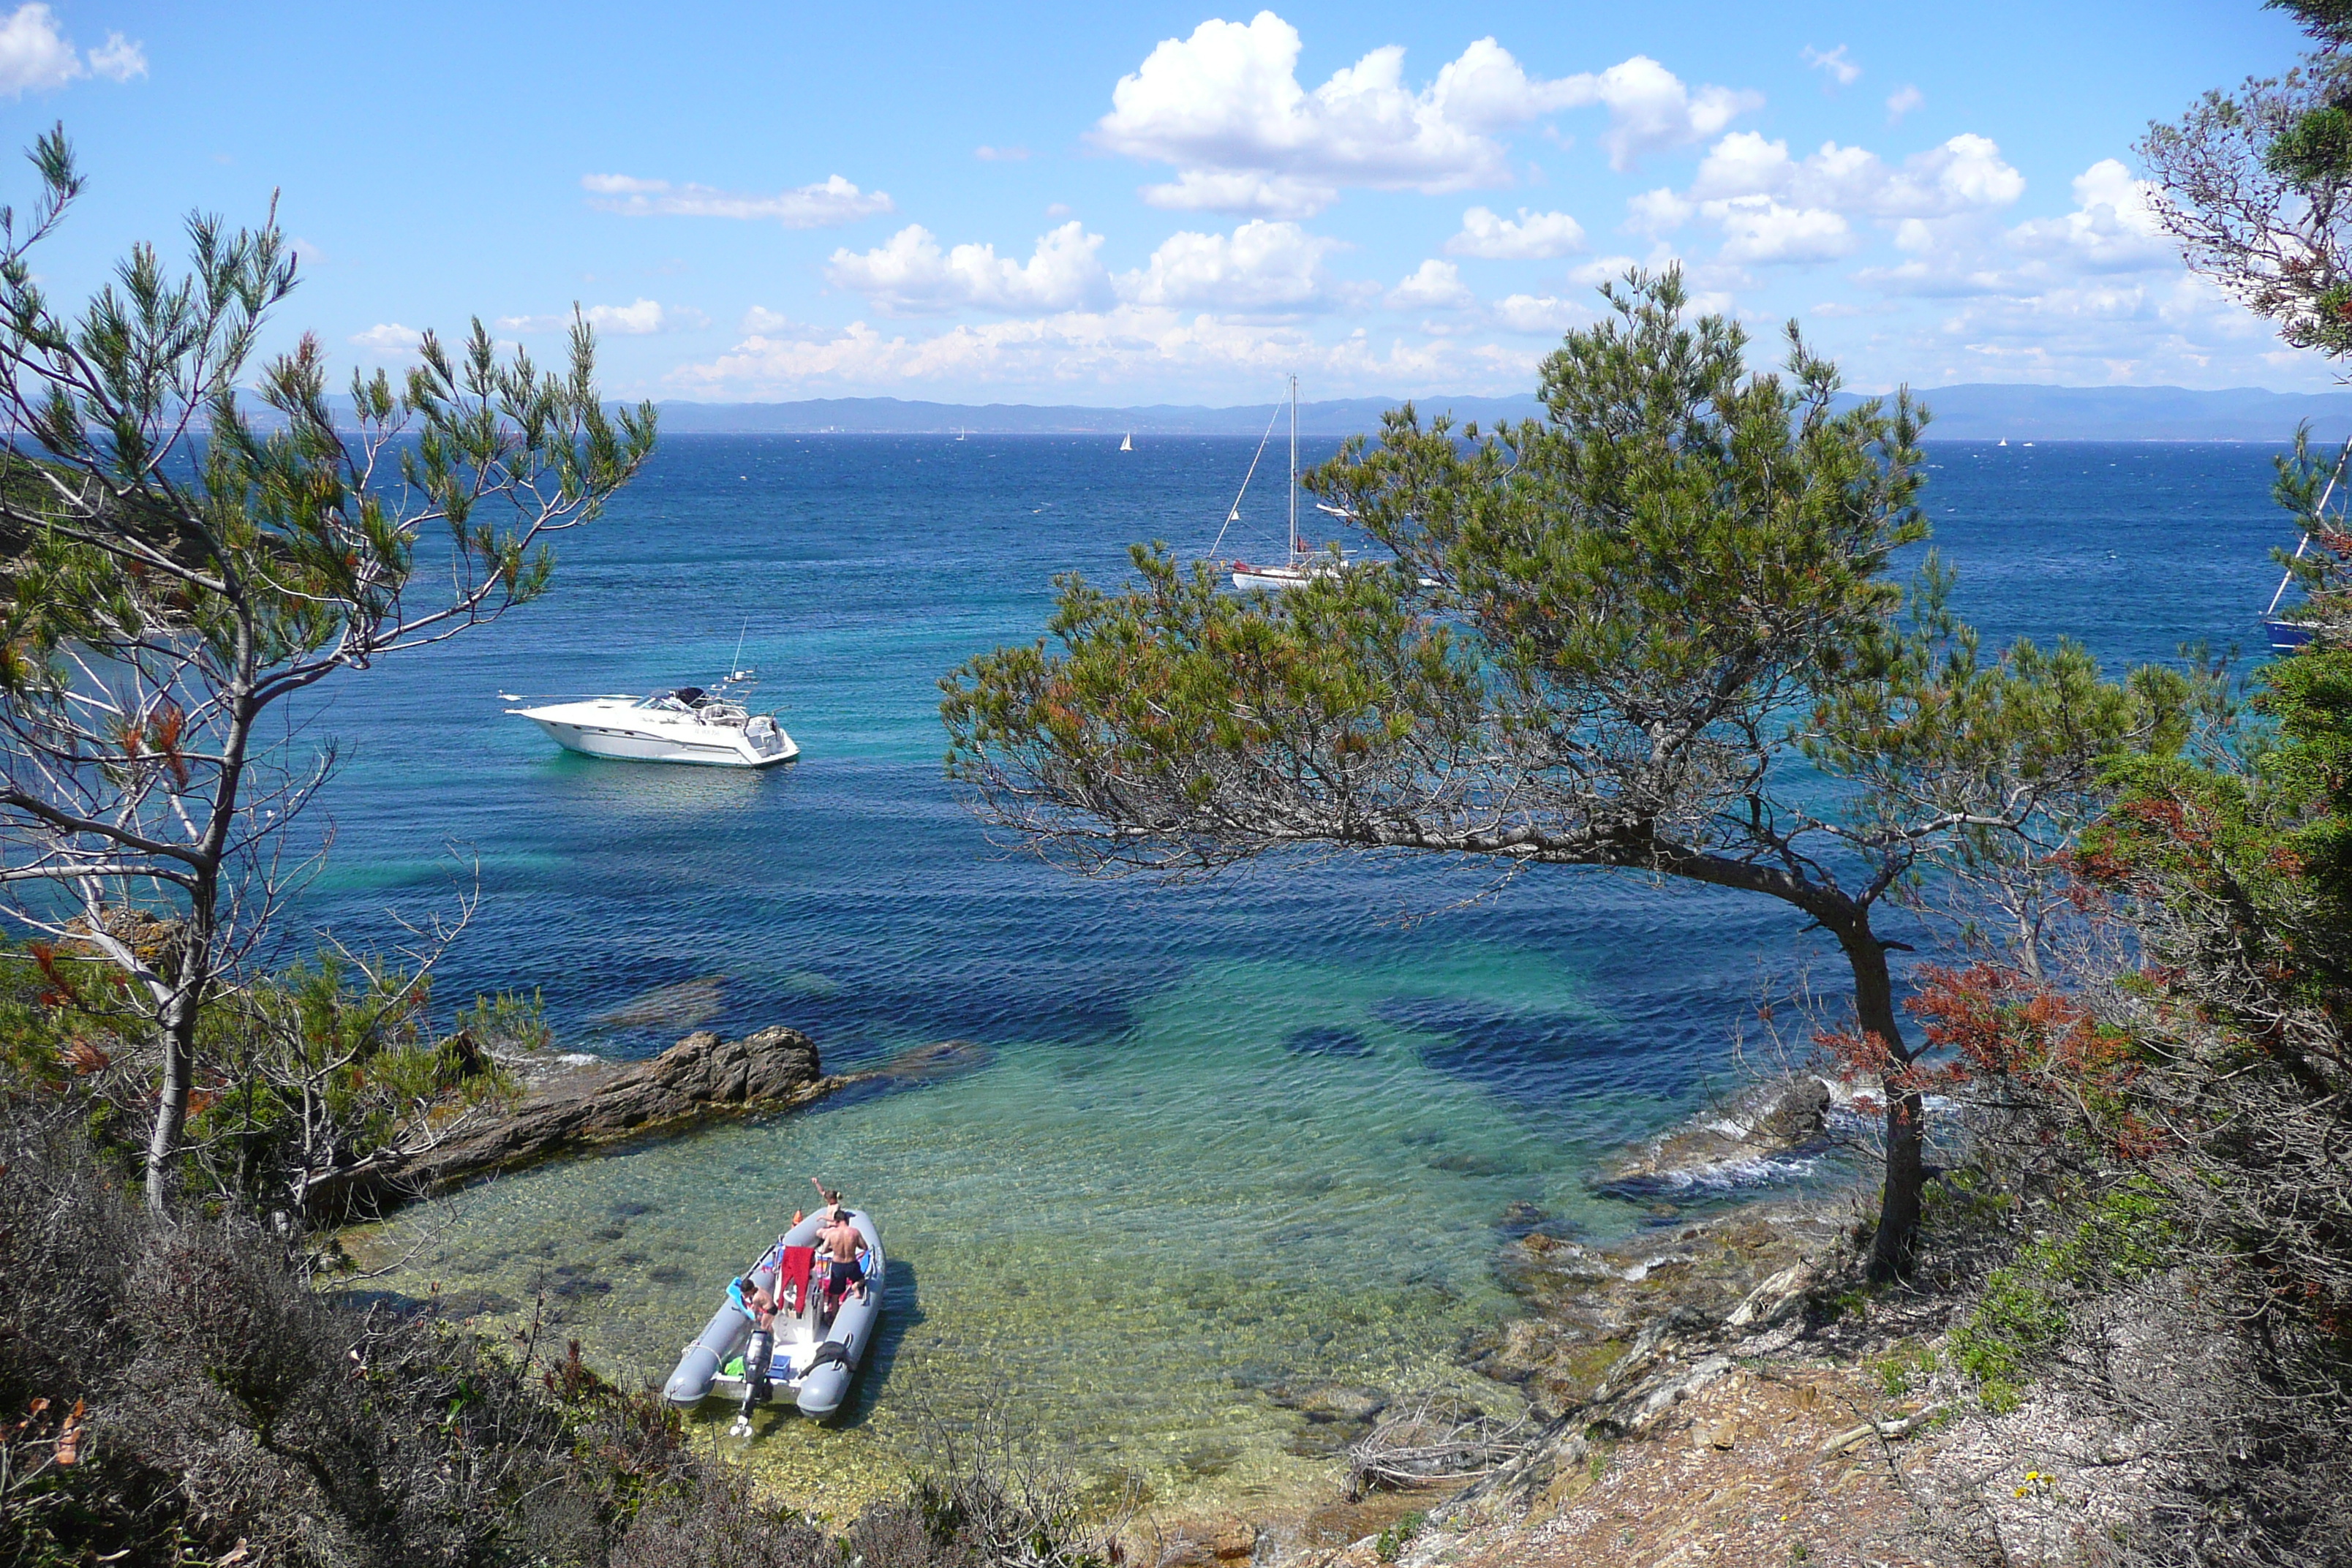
839, 1244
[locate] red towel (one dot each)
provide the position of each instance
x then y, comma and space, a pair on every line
792, 1277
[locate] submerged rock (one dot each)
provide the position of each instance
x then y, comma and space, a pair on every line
1323, 1402
774, 1069
680, 1005
1763, 1136
941, 1058
1326, 1040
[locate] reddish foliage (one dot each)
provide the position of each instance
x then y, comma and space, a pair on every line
1988, 1022
60, 992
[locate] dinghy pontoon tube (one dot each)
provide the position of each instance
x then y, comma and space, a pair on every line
815, 1355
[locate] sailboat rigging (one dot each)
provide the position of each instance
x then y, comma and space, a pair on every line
2285, 635
1301, 564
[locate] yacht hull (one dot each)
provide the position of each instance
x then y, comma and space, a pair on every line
628, 731
594, 741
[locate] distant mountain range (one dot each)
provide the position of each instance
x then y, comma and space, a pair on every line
891, 416
1975, 411
1984, 411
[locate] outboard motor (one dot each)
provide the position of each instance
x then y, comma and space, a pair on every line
759, 1356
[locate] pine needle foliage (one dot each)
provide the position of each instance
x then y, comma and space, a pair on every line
200, 537
1655, 631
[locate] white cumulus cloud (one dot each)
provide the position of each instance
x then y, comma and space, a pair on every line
1533, 237
1657, 212
1242, 192
2112, 228
1903, 100
1650, 110
1540, 313
911, 276
390, 338
1966, 173
835, 201
1760, 229
1128, 351
1432, 286
635, 319
37, 57
1833, 64
119, 58
1262, 265
1227, 103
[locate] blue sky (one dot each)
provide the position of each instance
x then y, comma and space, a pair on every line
1121, 205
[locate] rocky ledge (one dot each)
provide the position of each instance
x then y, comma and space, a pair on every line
1771, 1131
771, 1069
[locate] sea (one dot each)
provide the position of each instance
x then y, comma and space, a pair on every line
1219, 1144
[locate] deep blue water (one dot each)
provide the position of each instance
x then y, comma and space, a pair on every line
850, 895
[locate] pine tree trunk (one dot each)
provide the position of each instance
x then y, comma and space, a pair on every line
192, 977
179, 1031
1873, 1007
1898, 1203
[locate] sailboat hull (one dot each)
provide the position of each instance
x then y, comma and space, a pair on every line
2287, 637
1247, 577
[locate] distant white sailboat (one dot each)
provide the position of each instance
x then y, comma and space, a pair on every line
1126, 442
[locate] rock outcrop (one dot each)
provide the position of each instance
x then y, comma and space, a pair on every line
703, 1075
1753, 1141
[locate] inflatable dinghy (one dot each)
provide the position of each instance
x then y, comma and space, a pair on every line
817, 1343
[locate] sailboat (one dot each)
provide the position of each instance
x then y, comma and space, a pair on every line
1126, 442
1301, 564
2289, 637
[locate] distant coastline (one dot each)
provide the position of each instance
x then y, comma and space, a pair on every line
1971, 412
1982, 410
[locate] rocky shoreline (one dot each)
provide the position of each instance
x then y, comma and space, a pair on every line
573, 1104
1621, 1343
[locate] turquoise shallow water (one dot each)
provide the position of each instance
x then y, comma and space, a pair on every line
1136, 1251
1226, 1140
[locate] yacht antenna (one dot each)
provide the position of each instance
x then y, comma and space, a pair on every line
735, 670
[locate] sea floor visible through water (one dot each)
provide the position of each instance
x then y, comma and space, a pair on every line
1225, 1144
1134, 1259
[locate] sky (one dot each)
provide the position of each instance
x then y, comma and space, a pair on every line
1148, 202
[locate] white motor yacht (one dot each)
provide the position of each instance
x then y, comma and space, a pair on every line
686, 725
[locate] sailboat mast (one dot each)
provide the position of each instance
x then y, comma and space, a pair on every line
1294, 472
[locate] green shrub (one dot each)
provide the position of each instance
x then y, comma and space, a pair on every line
2122, 1235
1392, 1540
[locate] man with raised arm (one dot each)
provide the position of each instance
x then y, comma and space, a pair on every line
840, 1244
